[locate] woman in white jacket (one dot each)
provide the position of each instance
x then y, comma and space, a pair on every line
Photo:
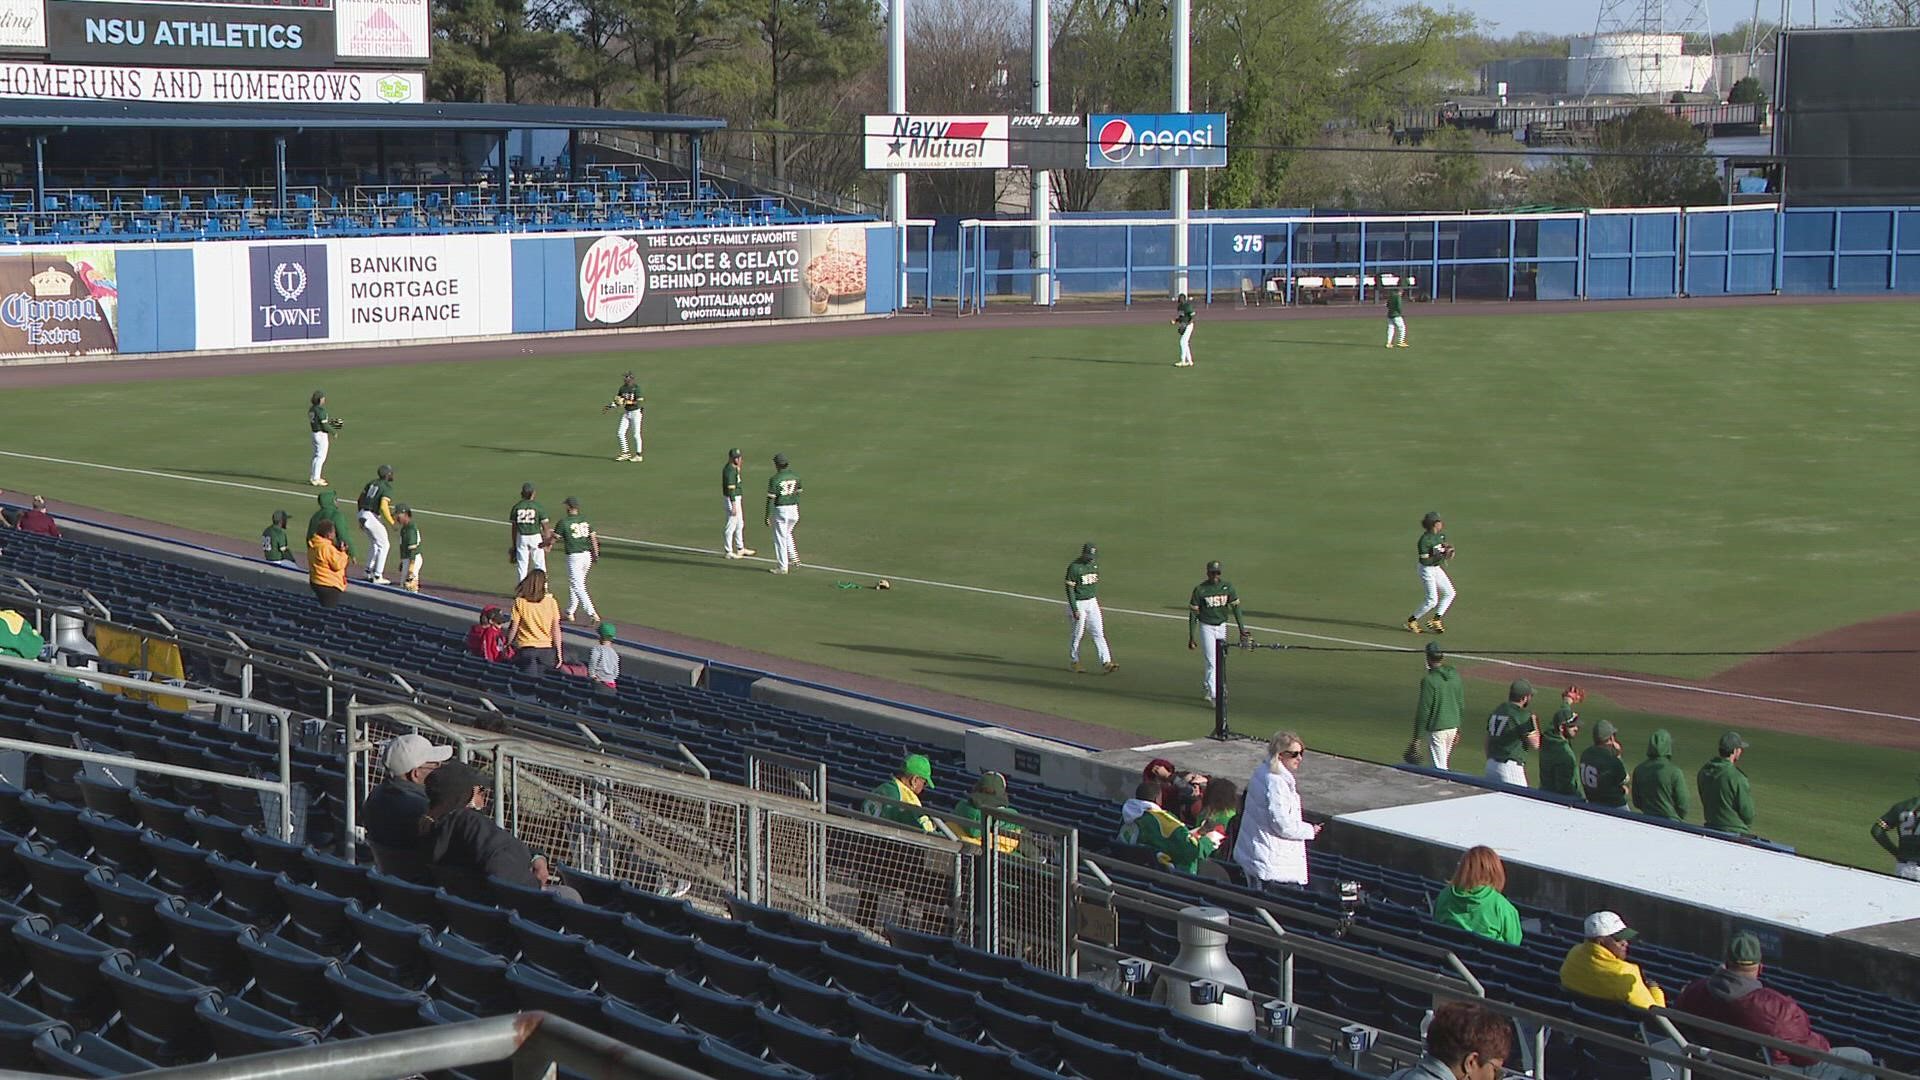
1272, 848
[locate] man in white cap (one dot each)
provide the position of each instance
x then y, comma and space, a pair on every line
391, 814
1597, 968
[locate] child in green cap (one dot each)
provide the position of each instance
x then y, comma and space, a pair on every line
603, 663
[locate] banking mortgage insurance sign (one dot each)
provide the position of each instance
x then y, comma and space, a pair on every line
1157, 141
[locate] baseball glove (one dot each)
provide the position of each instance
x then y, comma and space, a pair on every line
336, 423
1246, 637
609, 406
1575, 695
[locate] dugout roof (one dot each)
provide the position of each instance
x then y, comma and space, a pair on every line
42, 114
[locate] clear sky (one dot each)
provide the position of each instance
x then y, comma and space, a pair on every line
1577, 16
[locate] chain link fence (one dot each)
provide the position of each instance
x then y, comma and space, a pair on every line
1029, 875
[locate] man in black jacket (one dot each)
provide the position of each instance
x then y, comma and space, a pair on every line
392, 812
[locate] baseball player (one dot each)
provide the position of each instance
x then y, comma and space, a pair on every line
1183, 324
1511, 732
529, 531
783, 513
274, 546
1396, 322
627, 400
1207, 610
375, 507
1083, 608
410, 558
1898, 830
1432, 552
582, 546
735, 539
323, 427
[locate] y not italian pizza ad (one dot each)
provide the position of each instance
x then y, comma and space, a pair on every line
719, 275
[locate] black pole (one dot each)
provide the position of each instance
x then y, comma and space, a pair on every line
1220, 729
573, 155
280, 173
39, 177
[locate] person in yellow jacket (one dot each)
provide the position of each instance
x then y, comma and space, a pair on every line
1597, 968
327, 565
904, 787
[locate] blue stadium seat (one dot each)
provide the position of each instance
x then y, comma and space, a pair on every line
486, 925
534, 989
179, 868
389, 947
724, 1062
158, 1010
235, 1028
465, 975
405, 900
20, 1025
559, 954
370, 1005
66, 971
290, 980
128, 916
63, 1052
671, 1041
316, 920
115, 843
247, 895
206, 944
59, 883
808, 1049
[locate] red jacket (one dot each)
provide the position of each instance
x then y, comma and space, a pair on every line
38, 521
489, 642
1741, 1001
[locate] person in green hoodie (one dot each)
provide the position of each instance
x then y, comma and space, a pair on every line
1475, 901
1659, 787
1726, 799
1174, 846
343, 529
1436, 719
989, 793
1559, 767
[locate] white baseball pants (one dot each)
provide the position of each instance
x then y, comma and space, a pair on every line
578, 563
1440, 747
1507, 772
1909, 870
1088, 620
410, 568
785, 551
1208, 635
376, 531
321, 440
1397, 323
629, 422
1439, 589
1186, 344
527, 555
736, 535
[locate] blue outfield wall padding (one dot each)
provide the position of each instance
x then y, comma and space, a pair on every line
883, 269
138, 331
562, 282
174, 301
529, 287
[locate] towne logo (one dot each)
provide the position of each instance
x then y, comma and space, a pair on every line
289, 286
612, 280
936, 142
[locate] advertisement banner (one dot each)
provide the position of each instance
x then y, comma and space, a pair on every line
420, 287
210, 85
145, 33
719, 275
911, 143
288, 287
59, 301
1157, 141
23, 24
1051, 141
382, 29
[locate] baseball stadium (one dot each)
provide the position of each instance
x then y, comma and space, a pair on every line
1545, 706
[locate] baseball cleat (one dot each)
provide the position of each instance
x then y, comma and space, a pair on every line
1110, 667
376, 579
1414, 625
1434, 624
777, 570
744, 552
1075, 667
733, 554
1404, 345
636, 458
623, 456
1389, 344
411, 586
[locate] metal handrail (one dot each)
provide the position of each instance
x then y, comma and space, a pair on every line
1677, 1018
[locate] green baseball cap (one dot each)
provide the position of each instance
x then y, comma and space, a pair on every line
1730, 742
1605, 730
570, 502
734, 452
1743, 949
1518, 689
917, 765
1435, 652
607, 630
403, 508
990, 791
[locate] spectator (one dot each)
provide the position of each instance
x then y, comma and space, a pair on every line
487, 639
466, 847
343, 530
1734, 996
1659, 787
1511, 732
36, 520
603, 663
393, 810
1272, 845
897, 798
274, 545
1436, 719
534, 627
1180, 793
1219, 815
18, 638
1898, 830
989, 793
1559, 769
1603, 776
1465, 1041
1726, 800
327, 565
1475, 899
1597, 968
1146, 823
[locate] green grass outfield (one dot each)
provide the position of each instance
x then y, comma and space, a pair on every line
1685, 480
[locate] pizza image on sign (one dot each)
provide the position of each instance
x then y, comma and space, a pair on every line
836, 274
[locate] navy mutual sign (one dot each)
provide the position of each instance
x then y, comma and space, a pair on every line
183, 35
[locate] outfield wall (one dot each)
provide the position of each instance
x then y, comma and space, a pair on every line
58, 301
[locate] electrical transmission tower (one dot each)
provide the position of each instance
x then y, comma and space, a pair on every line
1629, 54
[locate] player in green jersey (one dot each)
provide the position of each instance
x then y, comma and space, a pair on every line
1898, 830
1083, 608
783, 513
628, 400
410, 558
530, 534
1603, 776
735, 538
1511, 732
1207, 610
323, 427
1183, 325
375, 507
1431, 552
582, 546
274, 546
1395, 320
1559, 768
